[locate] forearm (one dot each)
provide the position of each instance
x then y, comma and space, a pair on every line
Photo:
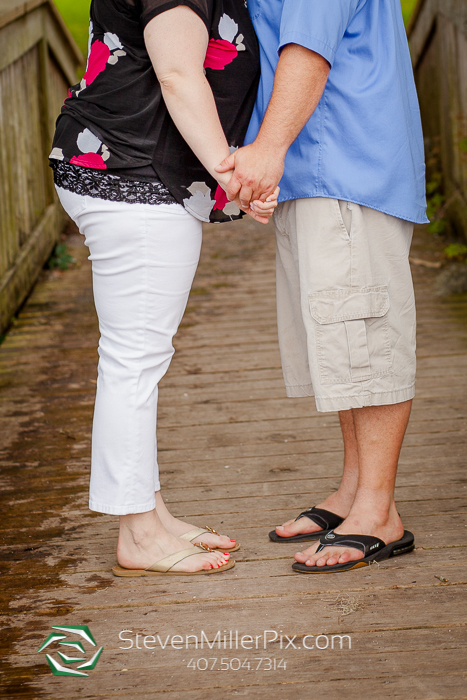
176, 41
299, 83
191, 105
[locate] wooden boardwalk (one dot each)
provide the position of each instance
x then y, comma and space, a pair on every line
239, 456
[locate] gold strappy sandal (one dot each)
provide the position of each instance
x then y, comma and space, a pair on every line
163, 566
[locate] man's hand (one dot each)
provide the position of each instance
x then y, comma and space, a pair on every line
259, 166
257, 173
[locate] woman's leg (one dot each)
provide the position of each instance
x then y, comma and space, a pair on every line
143, 261
180, 527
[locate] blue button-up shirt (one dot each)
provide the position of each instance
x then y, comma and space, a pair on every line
364, 142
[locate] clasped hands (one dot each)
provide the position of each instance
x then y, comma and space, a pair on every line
254, 183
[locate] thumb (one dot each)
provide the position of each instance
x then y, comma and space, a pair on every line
226, 165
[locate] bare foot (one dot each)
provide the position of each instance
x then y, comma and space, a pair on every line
389, 530
337, 503
143, 541
180, 527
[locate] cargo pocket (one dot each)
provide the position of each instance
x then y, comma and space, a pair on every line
352, 334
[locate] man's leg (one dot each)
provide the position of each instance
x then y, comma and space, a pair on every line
358, 314
340, 501
379, 432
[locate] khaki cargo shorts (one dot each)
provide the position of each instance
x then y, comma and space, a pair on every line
345, 304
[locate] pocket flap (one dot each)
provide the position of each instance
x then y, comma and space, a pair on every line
335, 305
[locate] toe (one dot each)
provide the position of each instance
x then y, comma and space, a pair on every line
305, 555
286, 529
332, 560
301, 557
344, 557
215, 541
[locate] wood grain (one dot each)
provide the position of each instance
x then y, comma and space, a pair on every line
223, 404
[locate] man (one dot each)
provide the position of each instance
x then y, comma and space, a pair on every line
342, 112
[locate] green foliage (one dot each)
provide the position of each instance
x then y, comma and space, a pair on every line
76, 15
463, 146
60, 258
456, 252
407, 8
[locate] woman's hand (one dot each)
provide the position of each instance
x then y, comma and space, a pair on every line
258, 210
262, 211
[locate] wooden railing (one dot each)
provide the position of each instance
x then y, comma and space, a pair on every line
438, 43
38, 61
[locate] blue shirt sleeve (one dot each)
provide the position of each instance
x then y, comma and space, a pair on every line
318, 25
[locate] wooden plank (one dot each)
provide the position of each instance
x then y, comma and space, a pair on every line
28, 99
16, 282
11, 10
408, 635
66, 53
20, 37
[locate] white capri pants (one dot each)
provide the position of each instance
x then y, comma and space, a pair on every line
144, 258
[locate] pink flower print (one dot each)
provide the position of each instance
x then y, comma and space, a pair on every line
221, 199
222, 51
89, 145
89, 160
98, 57
219, 54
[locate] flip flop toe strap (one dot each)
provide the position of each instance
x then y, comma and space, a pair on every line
165, 564
192, 534
365, 543
324, 518
197, 531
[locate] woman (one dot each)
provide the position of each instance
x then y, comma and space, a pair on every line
167, 93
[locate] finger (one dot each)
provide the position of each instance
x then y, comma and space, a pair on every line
263, 213
260, 206
257, 217
245, 195
265, 194
274, 195
233, 187
227, 164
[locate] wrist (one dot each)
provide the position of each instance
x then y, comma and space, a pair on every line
271, 145
224, 178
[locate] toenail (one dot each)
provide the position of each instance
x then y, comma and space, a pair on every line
233, 541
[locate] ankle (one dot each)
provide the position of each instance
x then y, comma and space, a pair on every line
137, 527
338, 502
379, 511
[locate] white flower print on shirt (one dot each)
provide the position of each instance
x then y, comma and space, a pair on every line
228, 31
200, 203
89, 145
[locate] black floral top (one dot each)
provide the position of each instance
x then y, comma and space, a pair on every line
115, 122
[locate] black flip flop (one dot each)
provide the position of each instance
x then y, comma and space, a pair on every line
373, 549
324, 518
